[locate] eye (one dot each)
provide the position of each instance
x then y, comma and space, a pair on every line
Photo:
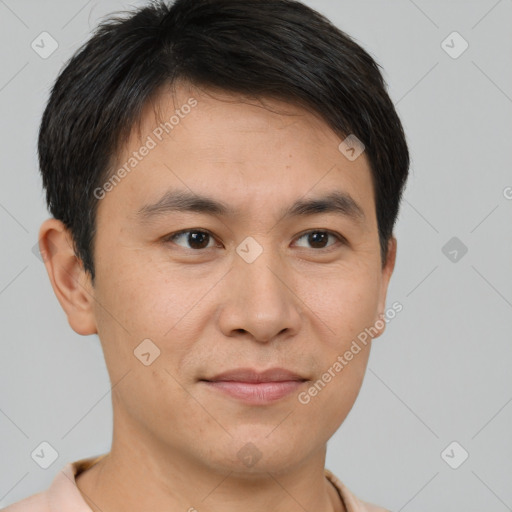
319, 239
195, 238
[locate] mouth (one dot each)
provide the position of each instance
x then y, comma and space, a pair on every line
254, 387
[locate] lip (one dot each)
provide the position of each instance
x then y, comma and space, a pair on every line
255, 376
255, 387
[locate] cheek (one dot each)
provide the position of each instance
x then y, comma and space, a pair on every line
147, 297
345, 300
142, 300
345, 306
334, 393
139, 304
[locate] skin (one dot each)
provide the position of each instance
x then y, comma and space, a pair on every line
297, 306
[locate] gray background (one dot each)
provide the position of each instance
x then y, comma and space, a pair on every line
440, 373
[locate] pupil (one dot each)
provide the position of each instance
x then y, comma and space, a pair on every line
317, 238
198, 240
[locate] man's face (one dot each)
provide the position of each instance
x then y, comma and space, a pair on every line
259, 290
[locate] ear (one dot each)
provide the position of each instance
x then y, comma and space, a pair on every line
71, 284
387, 270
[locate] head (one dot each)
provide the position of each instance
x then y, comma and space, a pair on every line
210, 209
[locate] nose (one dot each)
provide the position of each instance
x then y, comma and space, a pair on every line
259, 300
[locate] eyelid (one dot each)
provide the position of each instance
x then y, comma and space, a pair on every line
340, 238
169, 238
335, 234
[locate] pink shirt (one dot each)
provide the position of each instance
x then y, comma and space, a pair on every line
63, 494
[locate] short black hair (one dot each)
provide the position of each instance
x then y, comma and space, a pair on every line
277, 49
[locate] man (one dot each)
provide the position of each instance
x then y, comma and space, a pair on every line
223, 177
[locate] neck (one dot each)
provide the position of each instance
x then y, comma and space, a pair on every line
129, 480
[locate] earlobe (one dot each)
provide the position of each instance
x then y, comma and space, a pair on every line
71, 284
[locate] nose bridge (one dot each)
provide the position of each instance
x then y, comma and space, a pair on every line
260, 276
260, 302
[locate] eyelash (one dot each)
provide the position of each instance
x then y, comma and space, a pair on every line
170, 238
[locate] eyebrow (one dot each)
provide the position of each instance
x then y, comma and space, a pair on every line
175, 201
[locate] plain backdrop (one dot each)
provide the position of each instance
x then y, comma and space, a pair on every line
441, 373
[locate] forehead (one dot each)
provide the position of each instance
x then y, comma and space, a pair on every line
201, 118
245, 150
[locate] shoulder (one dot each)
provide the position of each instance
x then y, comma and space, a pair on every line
63, 493
370, 507
35, 503
351, 501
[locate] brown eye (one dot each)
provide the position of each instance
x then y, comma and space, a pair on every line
193, 239
319, 239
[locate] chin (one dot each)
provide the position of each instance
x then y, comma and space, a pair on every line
256, 452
